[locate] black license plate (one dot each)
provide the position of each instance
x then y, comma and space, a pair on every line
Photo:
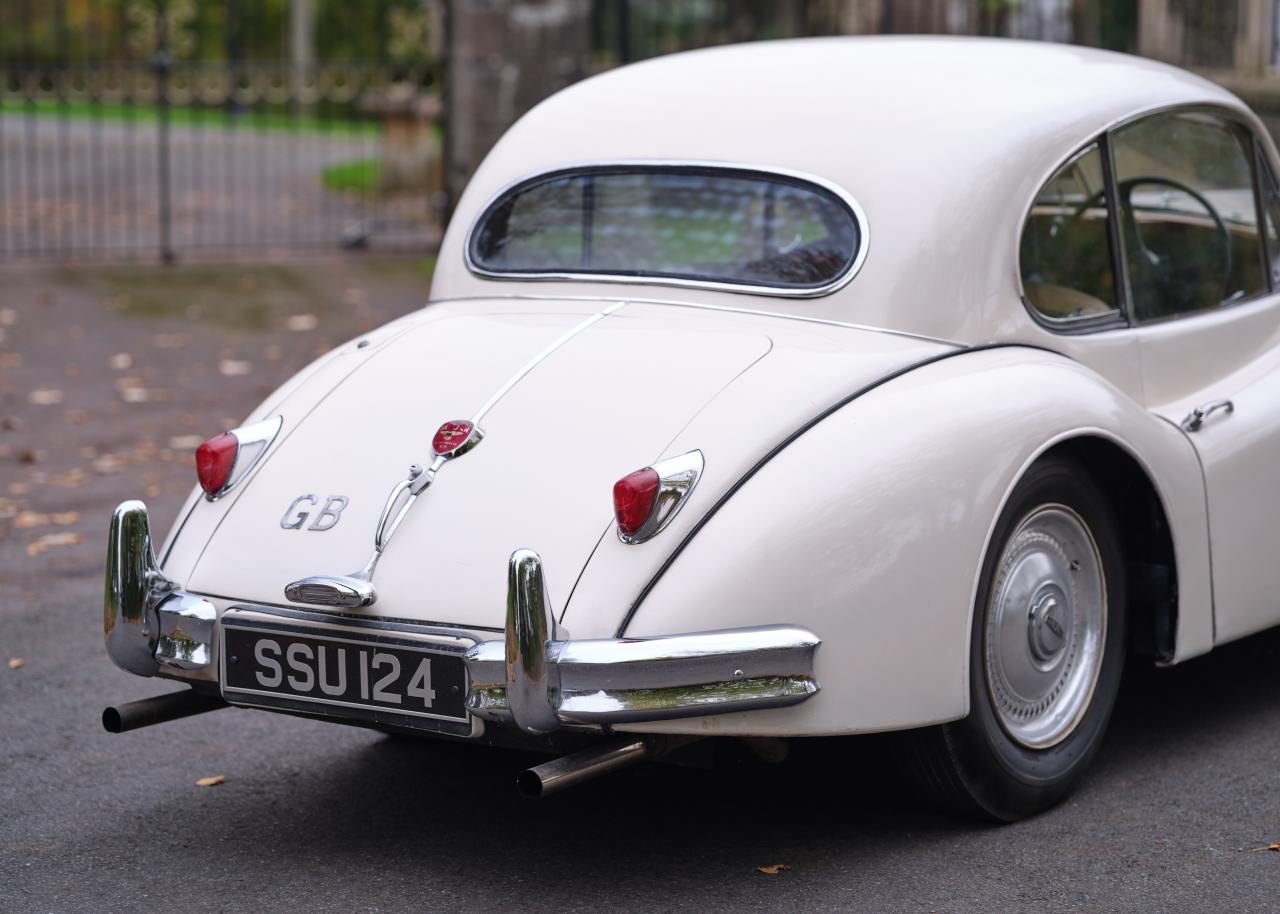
361, 673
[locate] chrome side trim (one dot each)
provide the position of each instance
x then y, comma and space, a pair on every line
540, 683
252, 441
134, 587
676, 478
859, 217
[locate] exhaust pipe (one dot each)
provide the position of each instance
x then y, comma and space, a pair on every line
156, 710
613, 755
558, 774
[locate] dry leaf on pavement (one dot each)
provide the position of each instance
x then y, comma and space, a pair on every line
45, 397
773, 869
211, 781
108, 464
28, 519
16, 663
234, 367
121, 361
54, 539
301, 322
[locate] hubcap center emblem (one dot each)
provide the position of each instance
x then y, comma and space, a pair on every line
1046, 631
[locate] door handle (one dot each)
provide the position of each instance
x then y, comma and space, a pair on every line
1195, 418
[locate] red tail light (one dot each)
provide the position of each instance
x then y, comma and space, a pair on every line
634, 496
214, 461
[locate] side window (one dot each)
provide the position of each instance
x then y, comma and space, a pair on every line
1188, 213
1065, 251
1270, 196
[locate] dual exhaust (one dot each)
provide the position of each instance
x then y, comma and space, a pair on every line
539, 781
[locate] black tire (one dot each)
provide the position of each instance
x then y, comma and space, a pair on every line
973, 767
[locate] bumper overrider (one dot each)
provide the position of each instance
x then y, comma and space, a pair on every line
530, 679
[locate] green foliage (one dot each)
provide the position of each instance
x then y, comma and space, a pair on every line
360, 176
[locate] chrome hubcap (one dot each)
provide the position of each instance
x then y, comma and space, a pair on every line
1046, 625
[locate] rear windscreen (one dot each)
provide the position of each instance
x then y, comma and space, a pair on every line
708, 225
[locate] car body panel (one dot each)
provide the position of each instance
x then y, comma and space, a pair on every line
1231, 354
893, 591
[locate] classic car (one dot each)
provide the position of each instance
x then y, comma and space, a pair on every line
793, 389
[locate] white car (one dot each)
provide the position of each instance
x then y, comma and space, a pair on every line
782, 390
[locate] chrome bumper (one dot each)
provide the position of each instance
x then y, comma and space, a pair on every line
530, 678
149, 624
538, 682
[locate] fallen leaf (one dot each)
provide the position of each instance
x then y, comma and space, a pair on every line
1273, 846
185, 442
28, 519
211, 781
64, 518
8, 317
54, 539
234, 367
29, 455
69, 480
301, 323
16, 663
121, 361
108, 464
45, 397
773, 869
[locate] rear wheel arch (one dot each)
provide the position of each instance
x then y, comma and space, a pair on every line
1146, 538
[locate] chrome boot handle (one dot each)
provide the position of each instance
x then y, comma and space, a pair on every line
1195, 419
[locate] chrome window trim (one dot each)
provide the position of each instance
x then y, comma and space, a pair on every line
1117, 317
1230, 117
791, 175
1122, 319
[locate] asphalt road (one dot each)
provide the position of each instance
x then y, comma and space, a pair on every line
314, 817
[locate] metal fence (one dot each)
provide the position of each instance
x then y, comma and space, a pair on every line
627, 30
145, 128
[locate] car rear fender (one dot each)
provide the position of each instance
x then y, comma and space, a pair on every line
870, 530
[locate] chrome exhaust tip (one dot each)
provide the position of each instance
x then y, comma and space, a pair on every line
613, 755
562, 773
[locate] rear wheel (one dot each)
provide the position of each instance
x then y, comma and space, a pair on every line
1046, 654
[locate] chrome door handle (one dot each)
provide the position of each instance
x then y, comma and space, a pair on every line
1195, 418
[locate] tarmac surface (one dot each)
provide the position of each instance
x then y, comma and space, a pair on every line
1177, 814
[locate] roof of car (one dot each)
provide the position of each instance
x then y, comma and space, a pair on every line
942, 141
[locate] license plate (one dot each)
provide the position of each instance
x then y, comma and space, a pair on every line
371, 674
